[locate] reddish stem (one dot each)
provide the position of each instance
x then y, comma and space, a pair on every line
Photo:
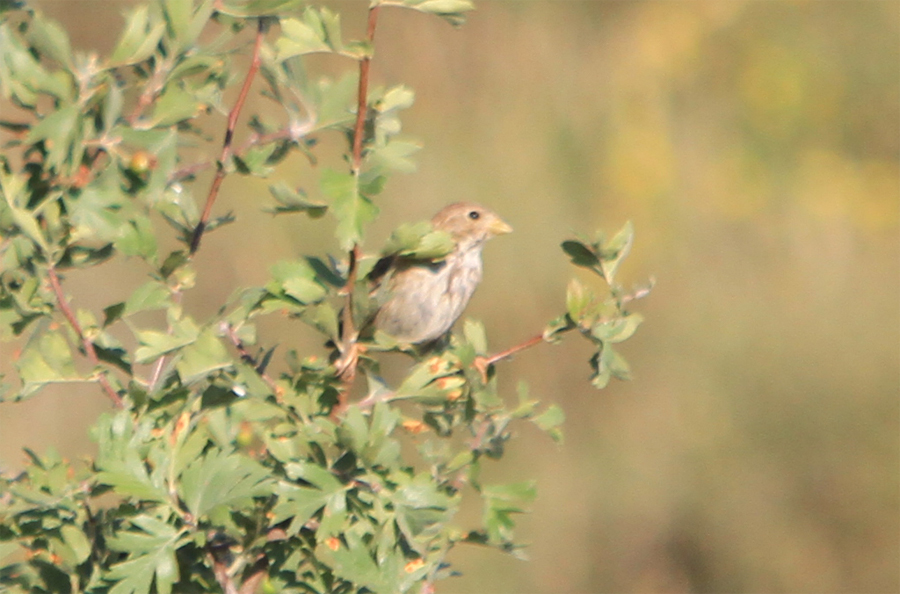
362, 103
346, 365
515, 349
229, 136
86, 344
482, 363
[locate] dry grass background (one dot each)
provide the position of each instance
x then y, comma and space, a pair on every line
755, 145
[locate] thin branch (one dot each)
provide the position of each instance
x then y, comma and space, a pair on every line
229, 136
86, 344
515, 349
346, 365
362, 97
151, 90
349, 348
482, 363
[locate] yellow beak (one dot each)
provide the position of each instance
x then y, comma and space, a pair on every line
500, 227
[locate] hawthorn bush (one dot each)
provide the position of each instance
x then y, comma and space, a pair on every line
213, 474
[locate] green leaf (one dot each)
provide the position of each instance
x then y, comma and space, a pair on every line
77, 541
578, 298
615, 250
22, 77
290, 200
59, 129
15, 193
396, 98
336, 100
151, 553
202, 357
140, 38
420, 383
617, 330
155, 344
173, 262
300, 37
550, 421
256, 160
354, 563
500, 503
256, 8
198, 22
395, 155
607, 363
128, 477
581, 254
222, 479
475, 336
137, 238
174, 105
178, 18
371, 443
300, 502
421, 506
453, 11
419, 241
50, 39
352, 210
601, 375
149, 296
48, 361
618, 366
296, 279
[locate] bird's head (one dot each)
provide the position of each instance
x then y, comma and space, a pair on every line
469, 224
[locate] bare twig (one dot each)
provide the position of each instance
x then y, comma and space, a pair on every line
229, 137
86, 344
482, 363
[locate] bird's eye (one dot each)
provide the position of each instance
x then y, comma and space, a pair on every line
474, 215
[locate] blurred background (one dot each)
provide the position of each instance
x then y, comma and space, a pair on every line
756, 146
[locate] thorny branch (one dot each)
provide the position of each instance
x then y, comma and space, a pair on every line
229, 137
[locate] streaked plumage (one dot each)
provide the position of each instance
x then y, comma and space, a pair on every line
426, 298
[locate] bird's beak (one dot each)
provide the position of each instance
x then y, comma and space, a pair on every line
500, 227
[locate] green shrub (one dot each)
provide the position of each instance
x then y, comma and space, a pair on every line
213, 474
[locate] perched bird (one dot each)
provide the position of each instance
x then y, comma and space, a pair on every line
426, 298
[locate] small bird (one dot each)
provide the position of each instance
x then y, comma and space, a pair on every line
425, 298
